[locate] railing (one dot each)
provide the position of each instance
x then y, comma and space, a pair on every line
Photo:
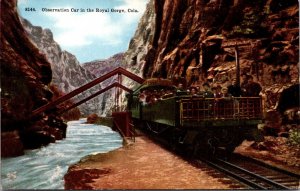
199, 109
119, 129
131, 130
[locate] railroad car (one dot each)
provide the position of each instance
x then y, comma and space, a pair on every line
193, 121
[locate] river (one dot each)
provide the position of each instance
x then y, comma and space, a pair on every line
44, 168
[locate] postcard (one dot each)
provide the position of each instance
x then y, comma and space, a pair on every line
150, 94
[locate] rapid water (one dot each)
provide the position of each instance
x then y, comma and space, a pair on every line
45, 168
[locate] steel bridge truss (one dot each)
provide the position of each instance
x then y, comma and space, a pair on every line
118, 71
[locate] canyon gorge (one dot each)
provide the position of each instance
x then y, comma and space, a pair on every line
176, 37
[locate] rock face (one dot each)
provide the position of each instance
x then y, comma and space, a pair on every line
91, 119
100, 67
140, 44
68, 74
192, 37
139, 47
132, 60
25, 78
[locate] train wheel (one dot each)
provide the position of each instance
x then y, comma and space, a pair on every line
226, 137
198, 146
173, 140
230, 139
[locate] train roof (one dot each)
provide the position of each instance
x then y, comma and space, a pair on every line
156, 83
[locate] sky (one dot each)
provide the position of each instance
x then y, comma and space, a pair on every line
88, 35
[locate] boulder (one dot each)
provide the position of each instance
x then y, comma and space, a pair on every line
92, 118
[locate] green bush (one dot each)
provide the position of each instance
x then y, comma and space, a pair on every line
294, 137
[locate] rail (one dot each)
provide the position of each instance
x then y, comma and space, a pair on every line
247, 177
199, 109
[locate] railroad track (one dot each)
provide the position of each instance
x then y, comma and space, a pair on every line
255, 175
247, 172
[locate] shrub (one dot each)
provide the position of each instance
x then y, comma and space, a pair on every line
294, 137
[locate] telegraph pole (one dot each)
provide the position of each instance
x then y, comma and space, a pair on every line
236, 46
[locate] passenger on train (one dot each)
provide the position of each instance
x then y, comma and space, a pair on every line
234, 89
244, 84
214, 91
224, 93
207, 91
194, 92
217, 91
252, 88
142, 97
180, 87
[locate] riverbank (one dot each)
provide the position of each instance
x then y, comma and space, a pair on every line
139, 165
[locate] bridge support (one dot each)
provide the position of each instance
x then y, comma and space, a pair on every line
122, 123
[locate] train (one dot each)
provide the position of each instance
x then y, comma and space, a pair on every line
198, 124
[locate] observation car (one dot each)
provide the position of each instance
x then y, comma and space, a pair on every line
195, 122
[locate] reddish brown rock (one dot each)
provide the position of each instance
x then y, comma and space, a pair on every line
78, 179
92, 118
25, 76
276, 151
11, 144
191, 35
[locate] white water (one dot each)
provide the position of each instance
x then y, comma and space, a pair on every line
45, 168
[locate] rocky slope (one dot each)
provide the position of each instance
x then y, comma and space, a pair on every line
67, 71
140, 44
196, 34
139, 47
100, 67
190, 33
132, 60
25, 78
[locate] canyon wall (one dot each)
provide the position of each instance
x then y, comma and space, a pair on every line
67, 73
25, 78
101, 67
139, 47
132, 60
192, 38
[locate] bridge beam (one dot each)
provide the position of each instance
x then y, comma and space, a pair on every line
87, 86
96, 94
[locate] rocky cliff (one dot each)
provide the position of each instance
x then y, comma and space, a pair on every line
139, 47
194, 37
191, 33
140, 44
25, 78
100, 67
132, 60
68, 74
